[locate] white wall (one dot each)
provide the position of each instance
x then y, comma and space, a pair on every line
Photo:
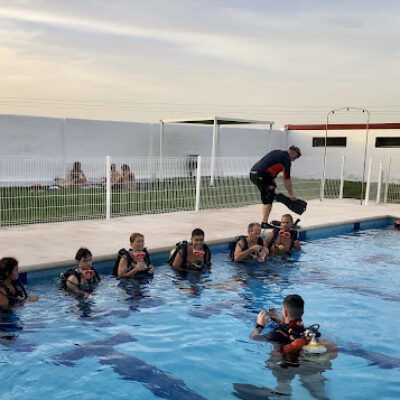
76, 139
38, 136
310, 165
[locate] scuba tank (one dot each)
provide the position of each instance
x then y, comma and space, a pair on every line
307, 344
314, 351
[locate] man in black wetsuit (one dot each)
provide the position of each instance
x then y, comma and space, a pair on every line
265, 171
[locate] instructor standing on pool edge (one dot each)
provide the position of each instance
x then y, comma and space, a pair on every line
265, 171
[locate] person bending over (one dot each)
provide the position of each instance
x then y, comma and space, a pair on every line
195, 255
264, 172
282, 240
12, 291
134, 262
82, 279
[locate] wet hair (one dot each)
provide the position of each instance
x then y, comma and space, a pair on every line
197, 232
287, 216
83, 252
7, 265
125, 167
294, 305
76, 165
252, 225
134, 236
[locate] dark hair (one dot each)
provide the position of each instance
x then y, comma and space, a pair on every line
197, 232
125, 167
296, 150
7, 264
252, 225
83, 252
76, 164
294, 305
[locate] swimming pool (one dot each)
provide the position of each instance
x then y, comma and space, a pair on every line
178, 336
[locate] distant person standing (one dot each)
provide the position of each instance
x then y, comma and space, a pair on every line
264, 172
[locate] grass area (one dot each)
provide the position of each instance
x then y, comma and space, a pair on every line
22, 205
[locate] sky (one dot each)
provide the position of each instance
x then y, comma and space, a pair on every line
286, 61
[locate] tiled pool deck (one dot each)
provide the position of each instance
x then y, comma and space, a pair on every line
45, 246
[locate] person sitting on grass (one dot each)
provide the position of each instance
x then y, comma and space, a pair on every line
77, 176
12, 291
126, 179
195, 255
82, 279
134, 262
282, 240
250, 247
114, 176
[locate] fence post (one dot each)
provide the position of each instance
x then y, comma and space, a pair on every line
379, 188
385, 197
322, 189
368, 182
108, 187
342, 179
198, 184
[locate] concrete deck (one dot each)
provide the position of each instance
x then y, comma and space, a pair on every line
53, 245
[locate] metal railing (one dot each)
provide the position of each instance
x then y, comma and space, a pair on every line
380, 186
41, 190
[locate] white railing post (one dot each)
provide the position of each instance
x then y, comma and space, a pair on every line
385, 197
108, 187
214, 150
379, 188
198, 184
367, 190
322, 189
342, 179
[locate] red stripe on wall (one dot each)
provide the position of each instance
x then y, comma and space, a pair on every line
322, 127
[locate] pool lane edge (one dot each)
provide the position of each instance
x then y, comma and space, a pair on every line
311, 232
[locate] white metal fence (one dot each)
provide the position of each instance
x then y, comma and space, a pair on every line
35, 190
380, 184
42, 189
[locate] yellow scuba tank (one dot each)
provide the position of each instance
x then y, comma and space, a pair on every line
314, 351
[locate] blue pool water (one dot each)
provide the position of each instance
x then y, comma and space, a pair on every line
182, 336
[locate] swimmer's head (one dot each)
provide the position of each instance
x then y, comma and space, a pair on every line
197, 238
83, 258
286, 222
397, 224
254, 230
137, 241
8, 268
292, 307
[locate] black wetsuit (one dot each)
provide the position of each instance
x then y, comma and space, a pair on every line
244, 248
264, 172
129, 254
285, 333
17, 296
